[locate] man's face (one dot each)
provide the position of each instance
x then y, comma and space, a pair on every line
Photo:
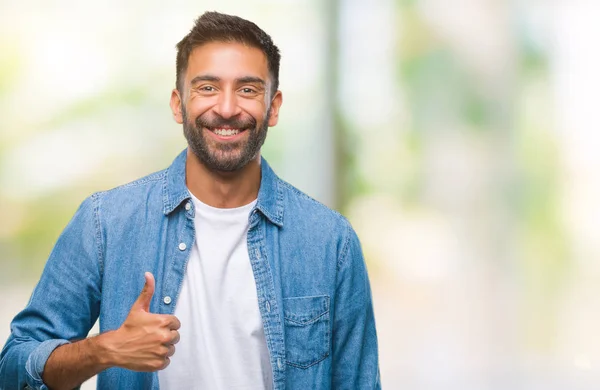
225, 105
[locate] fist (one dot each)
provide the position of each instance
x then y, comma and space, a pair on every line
145, 341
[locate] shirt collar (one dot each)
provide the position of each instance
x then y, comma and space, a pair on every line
270, 194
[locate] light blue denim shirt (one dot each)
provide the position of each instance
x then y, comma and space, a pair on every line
311, 279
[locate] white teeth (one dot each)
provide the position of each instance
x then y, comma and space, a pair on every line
226, 132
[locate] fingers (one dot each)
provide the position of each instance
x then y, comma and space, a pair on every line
171, 351
143, 301
167, 361
175, 337
174, 323
170, 338
169, 321
166, 364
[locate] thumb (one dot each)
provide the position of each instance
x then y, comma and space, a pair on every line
143, 301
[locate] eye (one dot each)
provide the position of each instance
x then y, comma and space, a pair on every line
207, 88
248, 90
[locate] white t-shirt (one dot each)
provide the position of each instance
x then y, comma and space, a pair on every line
222, 342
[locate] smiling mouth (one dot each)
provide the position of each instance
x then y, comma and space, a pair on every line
226, 132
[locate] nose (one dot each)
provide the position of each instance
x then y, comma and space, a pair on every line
227, 105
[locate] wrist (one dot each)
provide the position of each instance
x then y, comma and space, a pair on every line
105, 354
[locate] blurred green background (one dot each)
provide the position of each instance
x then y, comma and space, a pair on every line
458, 137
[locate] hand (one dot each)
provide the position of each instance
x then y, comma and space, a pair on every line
145, 341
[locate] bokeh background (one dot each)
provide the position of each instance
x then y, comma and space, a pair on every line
459, 137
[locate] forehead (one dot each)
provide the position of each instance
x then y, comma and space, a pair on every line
227, 60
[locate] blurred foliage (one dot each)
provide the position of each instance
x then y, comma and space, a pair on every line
443, 95
449, 167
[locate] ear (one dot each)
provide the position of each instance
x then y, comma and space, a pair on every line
275, 105
176, 106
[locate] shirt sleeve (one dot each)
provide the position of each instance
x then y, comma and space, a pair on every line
355, 362
63, 306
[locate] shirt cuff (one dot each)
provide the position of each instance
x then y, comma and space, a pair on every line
37, 361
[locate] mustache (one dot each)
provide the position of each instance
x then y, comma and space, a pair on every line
219, 121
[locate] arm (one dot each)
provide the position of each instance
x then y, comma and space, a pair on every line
355, 362
144, 342
64, 304
70, 365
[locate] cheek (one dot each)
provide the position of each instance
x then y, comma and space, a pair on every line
254, 108
197, 107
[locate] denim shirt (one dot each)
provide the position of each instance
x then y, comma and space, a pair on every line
312, 283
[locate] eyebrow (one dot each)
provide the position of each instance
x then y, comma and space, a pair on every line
250, 79
197, 79
241, 80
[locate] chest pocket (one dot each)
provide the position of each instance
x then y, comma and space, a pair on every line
307, 335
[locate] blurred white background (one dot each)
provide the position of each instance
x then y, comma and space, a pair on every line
458, 137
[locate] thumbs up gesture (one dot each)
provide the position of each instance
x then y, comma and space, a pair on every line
145, 341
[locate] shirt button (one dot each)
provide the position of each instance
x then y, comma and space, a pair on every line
167, 300
257, 252
268, 305
188, 206
279, 364
182, 246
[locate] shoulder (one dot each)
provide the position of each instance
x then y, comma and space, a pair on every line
149, 184
307, 213
141, 184
122, 203
310, 222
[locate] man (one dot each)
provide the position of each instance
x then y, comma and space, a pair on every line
262, 286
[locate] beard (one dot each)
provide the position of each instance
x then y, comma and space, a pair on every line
225, 156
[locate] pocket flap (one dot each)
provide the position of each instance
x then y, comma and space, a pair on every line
304, 310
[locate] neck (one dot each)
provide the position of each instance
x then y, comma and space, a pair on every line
222, 189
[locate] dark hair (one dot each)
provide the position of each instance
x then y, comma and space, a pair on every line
218, 27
